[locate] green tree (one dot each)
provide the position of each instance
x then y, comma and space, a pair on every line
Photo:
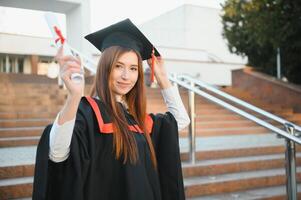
256, 28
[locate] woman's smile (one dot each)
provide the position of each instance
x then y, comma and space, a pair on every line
123, 85
125, 73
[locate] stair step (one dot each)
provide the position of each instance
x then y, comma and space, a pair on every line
221, 110
32, 109
235, 164
40, 100
207, 149
226, 131
16, 171
19, 141
13, 181
215, 116
232, 142
229, 123
14, 123
22, 188
200, 131
9, 187
16, 156
201, 168
16, 188
27, 115
294, 117
233, 182
203, 142
277, 192
21, 131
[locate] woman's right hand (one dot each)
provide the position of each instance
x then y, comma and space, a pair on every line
69, 65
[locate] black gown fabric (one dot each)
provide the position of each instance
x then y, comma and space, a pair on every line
91, 172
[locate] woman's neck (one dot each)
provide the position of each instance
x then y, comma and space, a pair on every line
121, 100
118, 98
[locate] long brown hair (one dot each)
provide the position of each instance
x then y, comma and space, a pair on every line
124, 142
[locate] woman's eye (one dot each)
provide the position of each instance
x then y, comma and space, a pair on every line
134, 69
118, 66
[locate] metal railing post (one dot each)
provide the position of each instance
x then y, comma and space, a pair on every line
290, 165
174, 75
191, 104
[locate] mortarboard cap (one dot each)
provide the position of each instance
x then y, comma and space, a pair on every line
124, 34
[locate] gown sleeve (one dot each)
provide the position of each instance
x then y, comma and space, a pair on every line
175, 106
63, 180
60, 139
166, 142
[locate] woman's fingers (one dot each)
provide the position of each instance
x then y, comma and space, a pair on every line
71, 64
66, 74
71, 58
157, 58
62, 60
73, 69
68, 67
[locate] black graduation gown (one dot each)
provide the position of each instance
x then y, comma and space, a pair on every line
92, 172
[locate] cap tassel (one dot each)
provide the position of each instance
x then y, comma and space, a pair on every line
153, 66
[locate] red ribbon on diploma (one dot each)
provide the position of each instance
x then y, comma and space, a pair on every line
59, 34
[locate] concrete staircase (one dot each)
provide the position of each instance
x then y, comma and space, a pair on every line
236, 159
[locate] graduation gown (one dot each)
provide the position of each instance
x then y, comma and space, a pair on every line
91, 172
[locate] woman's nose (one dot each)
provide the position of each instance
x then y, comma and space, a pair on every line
125, 74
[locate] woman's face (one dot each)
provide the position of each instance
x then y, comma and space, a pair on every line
124, 74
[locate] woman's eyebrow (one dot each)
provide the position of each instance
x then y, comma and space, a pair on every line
133, 65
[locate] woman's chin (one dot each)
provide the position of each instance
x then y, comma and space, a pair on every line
122, 91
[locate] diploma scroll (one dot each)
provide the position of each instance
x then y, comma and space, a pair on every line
60, 41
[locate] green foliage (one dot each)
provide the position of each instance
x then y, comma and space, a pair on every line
256, 28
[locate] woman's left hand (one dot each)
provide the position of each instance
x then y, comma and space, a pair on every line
160, 72
159, 67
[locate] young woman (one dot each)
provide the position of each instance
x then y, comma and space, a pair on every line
106, 146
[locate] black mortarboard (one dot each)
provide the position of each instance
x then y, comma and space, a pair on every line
124, 34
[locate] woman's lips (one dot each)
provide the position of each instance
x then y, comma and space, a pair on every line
123, 85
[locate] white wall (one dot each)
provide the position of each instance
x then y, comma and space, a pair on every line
190, 38
199, 64
77, 16
213, 73
191, 27
25, 45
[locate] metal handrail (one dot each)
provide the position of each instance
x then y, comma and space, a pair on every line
290, 135
233, 108
240, 102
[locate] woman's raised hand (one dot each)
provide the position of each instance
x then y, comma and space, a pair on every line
69, 65
160, 72
159, 68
